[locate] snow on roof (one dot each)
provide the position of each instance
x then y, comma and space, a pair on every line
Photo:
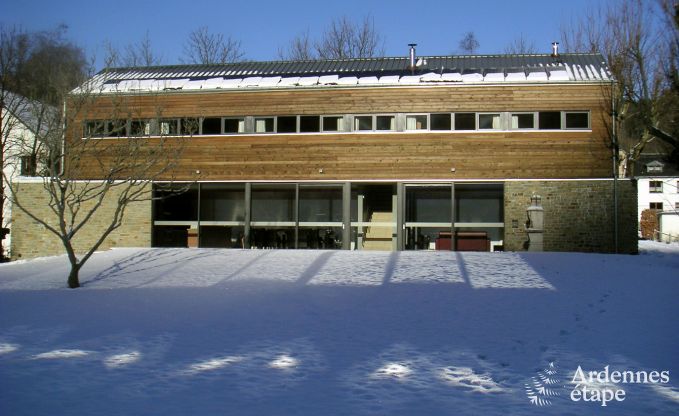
494, 77
352, 72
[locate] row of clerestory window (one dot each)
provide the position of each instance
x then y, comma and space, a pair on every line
288, 124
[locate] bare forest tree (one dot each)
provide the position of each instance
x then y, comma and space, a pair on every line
522, 46
299, 49
203, 47
137, 54
640, 41
468, 44
344, 38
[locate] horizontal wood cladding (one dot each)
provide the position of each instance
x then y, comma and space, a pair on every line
363, 156
393, 156
350, 101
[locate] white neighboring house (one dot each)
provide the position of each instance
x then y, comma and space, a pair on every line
658, 189
23, 121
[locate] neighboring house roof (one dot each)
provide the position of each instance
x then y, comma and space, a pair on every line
655, 165
33, 114
360, 71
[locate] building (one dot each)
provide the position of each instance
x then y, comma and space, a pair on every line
658, 190
404, 153
23, 121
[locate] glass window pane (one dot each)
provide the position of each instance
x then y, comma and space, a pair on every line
116, 128
386, 123
218, 236
140, 128
523, 121
273, 203
222, 202
428, 204
440, 121
479, 203
465, 121
264, 125
189, 126
309, 124
549, 120
287, 124
169, 127
320, 204
332, 123
577, 120
363, 123
489, 121
171, 204
416, 122
234, 125
212, 125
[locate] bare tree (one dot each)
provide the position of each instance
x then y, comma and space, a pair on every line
137, 54
344, 38
203, 47
348, 39
642, 58
521, 46
299, 49
34, 68
123, 170
468, 44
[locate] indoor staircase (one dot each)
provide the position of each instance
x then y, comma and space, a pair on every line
379, 237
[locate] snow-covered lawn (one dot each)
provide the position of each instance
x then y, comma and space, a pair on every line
222, 332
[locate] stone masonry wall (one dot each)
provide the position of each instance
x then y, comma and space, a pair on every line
30, 239
578, 215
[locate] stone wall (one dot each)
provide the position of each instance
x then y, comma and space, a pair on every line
578, 215
30, 239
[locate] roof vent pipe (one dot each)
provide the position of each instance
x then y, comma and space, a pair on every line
555, 49
412, 58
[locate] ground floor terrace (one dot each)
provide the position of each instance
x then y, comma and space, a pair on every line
580, 215
589, 215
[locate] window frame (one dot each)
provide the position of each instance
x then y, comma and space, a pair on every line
564, 122
478, 120
454, 120
412, 115
277, 124
393, 119
299, 123
561, 120
451, 122
221, 126
254, 125
340, 123
518, 113
655, 187
224, 120
356, 122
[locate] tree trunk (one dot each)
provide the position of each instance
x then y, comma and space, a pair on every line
73, 279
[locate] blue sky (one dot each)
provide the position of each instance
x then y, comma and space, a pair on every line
264, 26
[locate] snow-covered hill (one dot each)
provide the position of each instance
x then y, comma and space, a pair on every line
229, 332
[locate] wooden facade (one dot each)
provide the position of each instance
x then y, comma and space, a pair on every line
359, 156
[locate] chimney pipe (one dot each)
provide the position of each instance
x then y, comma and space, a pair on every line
555, 49
412, 57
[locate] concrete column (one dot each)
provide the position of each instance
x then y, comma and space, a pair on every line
346, 216
248, 206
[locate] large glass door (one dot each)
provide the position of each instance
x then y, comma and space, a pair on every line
428, 217
320, 216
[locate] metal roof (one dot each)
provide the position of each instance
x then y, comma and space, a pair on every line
360, 67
